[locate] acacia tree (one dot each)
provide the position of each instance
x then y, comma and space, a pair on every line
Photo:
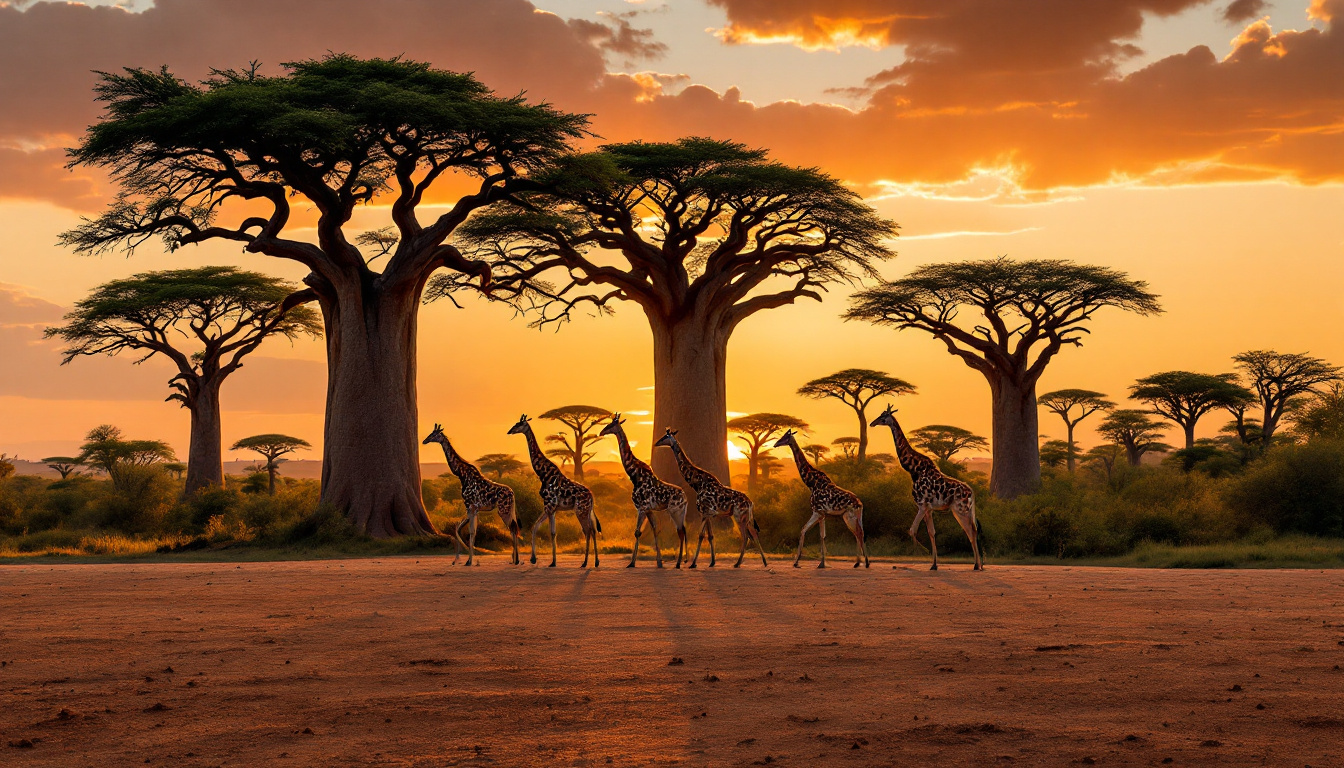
945, 441
817, 453
65, 465
758, 429
1183, 397
1134, 430
584, 421
1054, 453
1105, 455
330, 135
6, 466
500, 464
1322, 417
204, 321
849, 446
271, 446
1017, 316
105, 449
1277, 378
857, 387
1063, 401
701, 235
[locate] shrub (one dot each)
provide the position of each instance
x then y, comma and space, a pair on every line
1298, 488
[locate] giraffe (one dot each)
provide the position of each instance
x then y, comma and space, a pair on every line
559, 493
649, 494
714, 499
478, 495
828, 499
933, 491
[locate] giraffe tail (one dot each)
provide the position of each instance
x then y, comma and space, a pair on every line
755, 525
597, 522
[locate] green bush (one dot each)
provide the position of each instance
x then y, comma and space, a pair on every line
1294, 488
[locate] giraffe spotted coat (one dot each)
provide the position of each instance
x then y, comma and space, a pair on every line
714, 499
828, 500
649, 493
559, 493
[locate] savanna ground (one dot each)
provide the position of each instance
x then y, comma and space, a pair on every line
409, 661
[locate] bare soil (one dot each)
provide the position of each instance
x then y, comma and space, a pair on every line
413, 662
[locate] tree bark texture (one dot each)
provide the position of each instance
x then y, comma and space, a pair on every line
1017, 455
690, 361
205, 459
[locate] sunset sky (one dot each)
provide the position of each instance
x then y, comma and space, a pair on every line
1198, 146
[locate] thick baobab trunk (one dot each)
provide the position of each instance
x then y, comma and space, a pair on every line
205, 456
370, 456
690, 395
1017, 455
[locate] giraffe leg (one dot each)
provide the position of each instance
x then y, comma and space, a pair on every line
681, 543
811, 521
710, 527
457, 538
471, 544
704, 521
854, 521
822, 525
594, 526
743, 531
920, 512
933, 542
966, 519
587, 541
639, 529
541, 519
657, 549
514, 530
551, 516
756, 536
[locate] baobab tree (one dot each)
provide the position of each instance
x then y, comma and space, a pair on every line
857, 387
700, 234
945, 441
1063, 402
1277, 378
1006, 319
583, 421
328, 135
65, 465
271, 447
1183, 397
204, 321
756, 431
1136, 431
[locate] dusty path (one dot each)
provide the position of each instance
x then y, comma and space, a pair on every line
416, 663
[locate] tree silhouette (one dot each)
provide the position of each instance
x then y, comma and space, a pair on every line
271, 447
562, 455
945, 441
584, 421
1105, 456
857, 387
817, 453
1183, 397
330, 135
767, 464
757, 429
6, 466
105, 450
1055, 453
1321, 417
849, 447
1277, 378
177, 468
500, 464
1012, 311
66, 465
1135, 430
1063, 402
701, 235
204, 321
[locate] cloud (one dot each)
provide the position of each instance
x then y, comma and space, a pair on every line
1239, 11
617, 37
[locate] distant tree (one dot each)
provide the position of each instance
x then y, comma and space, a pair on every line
757, 429
767, 464
329, 136
584, 422
1183, 397
500, 464
177, 468
1136, 430
204, 321
945, 442
1278, 378
883, 458
1322, 416
701, 234
849, 447
1055, 453
1063, 402
6, 466
105, 450
562, 455
66, 465
857, 387
271, 447
817, 453
1105, 457
995, 315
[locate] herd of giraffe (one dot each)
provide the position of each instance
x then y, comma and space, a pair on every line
933, 491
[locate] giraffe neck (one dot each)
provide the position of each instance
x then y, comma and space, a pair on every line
905, 453
543, 466
693, 474
806, 471
633, 466
456, 463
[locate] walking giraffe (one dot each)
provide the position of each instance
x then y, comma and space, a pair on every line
714, 499
478, 495
933, 491
559, 493
649, 494
828, 499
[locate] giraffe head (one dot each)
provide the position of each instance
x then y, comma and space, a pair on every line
669, 439
788, 438
521, 427
436, 436
614, 428
887, 419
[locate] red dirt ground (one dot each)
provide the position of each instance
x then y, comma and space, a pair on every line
406, 662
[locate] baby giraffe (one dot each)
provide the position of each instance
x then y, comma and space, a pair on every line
933, 491
828, 499
559, 493
478, 495
649, 494
714, 499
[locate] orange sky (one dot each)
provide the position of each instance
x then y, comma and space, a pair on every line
1197, 146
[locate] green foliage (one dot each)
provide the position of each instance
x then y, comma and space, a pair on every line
944, 441
1322, 416
1295, 488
